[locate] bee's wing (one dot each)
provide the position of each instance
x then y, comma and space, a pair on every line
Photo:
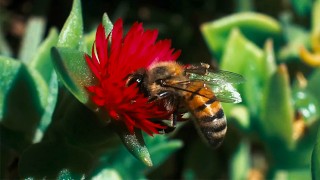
221, 82
226, 93
216, 76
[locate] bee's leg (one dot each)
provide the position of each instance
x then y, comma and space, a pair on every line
175, 115
173, 119
159, 96
153, 98
164, 94
169, 129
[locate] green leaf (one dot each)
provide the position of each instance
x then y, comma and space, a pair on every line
243, 57
72, 31
240, 162
256, 27
269, 65
122, 164
48, 159
51, 103
42, 61
314, 84
41, 87
240, 116
23, 97
134, 143
31, 39
315, 159
278, 114
88, 41
82, 127
9, 69
293, 174
108, 173
302, 7
160, 148
107, 24
72, 69
252, 89
296, 37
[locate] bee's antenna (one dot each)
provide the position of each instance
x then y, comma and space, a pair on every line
186, 90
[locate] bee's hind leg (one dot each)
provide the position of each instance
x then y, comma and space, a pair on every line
173, 119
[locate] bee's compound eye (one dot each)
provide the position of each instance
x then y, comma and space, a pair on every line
159, 82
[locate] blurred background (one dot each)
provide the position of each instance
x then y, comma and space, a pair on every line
176, 20
244, 154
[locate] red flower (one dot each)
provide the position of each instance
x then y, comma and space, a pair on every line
111, 64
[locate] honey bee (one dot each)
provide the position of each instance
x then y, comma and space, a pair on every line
195, 89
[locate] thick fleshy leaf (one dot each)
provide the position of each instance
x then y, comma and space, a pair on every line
315, 161
72, 69
42, 61
278, 114
240, 53
32, 39
240, 116
121, 164
51, 103
292, 174
72, 31
48, 159
160, 148
245, 58
9, 69
21, 87
107, 24
269, 64
134, 143
301, 7
82, 127
314, 84
240, 162
108, 173
295, 37
256, 27
89, 39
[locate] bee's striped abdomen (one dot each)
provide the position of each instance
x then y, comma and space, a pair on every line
208, 113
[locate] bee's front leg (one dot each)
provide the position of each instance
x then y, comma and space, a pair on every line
159, 96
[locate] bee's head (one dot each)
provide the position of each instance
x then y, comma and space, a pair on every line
163, 75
